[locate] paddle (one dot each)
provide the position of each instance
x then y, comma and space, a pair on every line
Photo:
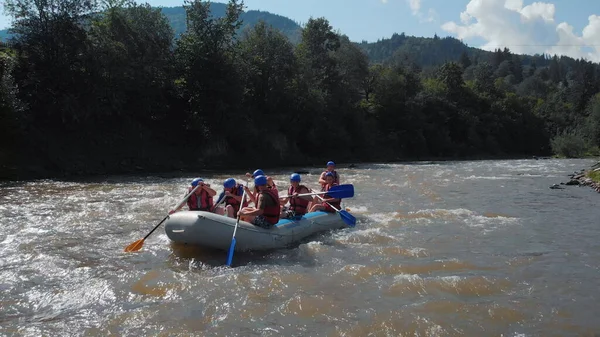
221, 199
232, 246
348, 218
338, 192
139, 243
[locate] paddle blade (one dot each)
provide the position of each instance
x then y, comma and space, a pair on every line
134, 247
341, 191
231, 249
348, 218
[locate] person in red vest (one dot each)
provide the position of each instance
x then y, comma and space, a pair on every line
298, 205
232, 192
323, 205
266, 212
201, 199
330, 168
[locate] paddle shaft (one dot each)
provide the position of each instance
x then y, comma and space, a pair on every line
233, 242
335, 209
338, 189
302, 195
237, 222
183, 201
135, 246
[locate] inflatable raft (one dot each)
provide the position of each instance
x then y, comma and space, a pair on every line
215, 231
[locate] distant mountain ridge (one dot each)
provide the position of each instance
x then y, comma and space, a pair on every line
177, 19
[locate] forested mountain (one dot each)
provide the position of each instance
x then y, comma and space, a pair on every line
177, 19
95, 94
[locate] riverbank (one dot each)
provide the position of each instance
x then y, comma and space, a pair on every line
173, 164
589, 177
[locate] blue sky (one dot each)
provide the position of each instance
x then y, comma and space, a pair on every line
520, 25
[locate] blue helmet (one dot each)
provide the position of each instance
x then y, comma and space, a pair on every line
229, 183
330, 163
329, 174
257, 173
260, 180
295, 177
196, 181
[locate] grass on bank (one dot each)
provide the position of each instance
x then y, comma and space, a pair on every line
594, 175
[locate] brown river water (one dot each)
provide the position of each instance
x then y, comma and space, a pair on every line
480, 248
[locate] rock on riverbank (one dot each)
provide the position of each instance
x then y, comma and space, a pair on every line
585, 178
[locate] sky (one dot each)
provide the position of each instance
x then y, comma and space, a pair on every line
563, 27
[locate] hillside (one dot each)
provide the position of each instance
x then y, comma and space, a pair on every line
421, 51
176, 17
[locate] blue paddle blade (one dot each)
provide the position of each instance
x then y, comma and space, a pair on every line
341, 191
231, 249
348, 218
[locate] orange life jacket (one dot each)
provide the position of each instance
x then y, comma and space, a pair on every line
202, 202
298, 205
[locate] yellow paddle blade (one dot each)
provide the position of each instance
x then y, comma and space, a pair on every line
134, 247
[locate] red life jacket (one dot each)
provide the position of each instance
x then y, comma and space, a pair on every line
202, 202
233, 201
298, 205
271, 213
336, 179
335, 204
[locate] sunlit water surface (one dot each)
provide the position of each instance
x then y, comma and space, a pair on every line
440, 249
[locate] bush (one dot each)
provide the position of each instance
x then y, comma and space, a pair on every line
569, 144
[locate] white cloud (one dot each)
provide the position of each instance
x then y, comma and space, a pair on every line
415, 7
530, 29
384, 1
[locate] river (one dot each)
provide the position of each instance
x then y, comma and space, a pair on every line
481, 248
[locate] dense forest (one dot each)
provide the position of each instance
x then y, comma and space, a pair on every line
93, 89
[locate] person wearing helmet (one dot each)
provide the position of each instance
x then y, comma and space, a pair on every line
266, 212
323, 205
336, 176
259, 172
252, 195
232, 192
201, 199
298, 205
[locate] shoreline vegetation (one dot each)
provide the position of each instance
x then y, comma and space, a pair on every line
586, 177
91, 88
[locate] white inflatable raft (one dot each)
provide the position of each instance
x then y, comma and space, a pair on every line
213, 230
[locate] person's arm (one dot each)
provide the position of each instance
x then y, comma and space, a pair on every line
322, 180
250, 195
209, 190
258, 210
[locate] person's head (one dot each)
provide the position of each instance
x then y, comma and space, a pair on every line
257, 173
260, 182
329, 178
229, 183
196, 181
295, 179
330, 166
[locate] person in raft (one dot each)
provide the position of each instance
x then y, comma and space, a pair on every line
260, 172
232, 192
266, 212
322, 205
298, 205
201, 199
252, 194
330, 168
